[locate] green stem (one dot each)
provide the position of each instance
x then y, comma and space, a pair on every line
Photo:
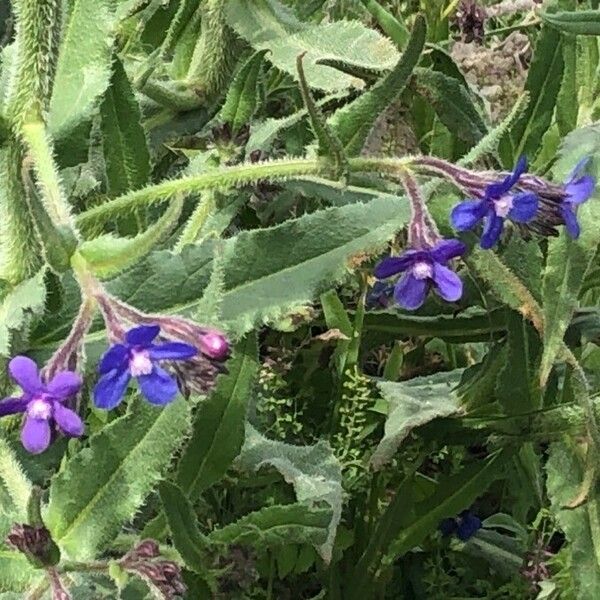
195, 223
230, 177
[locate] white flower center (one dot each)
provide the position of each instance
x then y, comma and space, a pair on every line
503, 205
39, 409
422, 270
140, 363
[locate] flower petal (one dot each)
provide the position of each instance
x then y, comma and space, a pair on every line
142, 336
116, 357
579, 169
68, 420
110, 389
410, 292
447, 283
580, 190
524, 208
64, 384
25, 372
495, 190
392, 265
448, 249
468, 526
172, 351
491, 231
465, 215
35, 435
11, 406
158, 387
571, 223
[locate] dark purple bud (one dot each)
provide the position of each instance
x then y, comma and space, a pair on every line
147, 549
35, 543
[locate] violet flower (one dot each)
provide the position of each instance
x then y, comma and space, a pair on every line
578, 189
423, 269
43, 404
465, 526
497, 205
138, 358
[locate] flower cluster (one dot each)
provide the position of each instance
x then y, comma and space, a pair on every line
529, 202
464, 526
138, 353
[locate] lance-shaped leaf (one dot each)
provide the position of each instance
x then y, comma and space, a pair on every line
84, 64
452, 104
581, 22
243, 94
25, 298
543, 84
277, 526
123, 138
102, 486
109, 255
353, 122
411, 404
564, 477
394, 28
183, 524
569, 260
184, 14
16, 573
218, 430
314, 472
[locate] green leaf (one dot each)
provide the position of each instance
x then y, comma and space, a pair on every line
15, 489
395, 29
353, 122
564, 476
16, 572
452, 104
260, 20
343, 41
218, 429
108, 255
543, 84
314, 471
411, 404
516, 389
102, 486
123, 138
277, 526
243, 94
581, 22
187, 539
569, 260
84, 64
567, 109
16, 304
184, 14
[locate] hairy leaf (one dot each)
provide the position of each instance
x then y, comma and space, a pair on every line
411, 404
582, 22
16, 572
277, 526
314, 472
124, 140
84, 64
102, 486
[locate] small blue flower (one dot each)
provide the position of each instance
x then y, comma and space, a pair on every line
423, 269
137, 358
497, 205
578, 189
380, 295
465, 526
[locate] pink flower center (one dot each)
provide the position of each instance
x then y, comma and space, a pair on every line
140, 363
503, 205
39, 408
214, 345
422, 270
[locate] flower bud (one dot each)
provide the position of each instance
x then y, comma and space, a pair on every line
214, 345
35, 543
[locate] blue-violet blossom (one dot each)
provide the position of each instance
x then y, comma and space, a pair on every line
465, 526
497, 205
424, 268
578, 189
43, 404
138, 358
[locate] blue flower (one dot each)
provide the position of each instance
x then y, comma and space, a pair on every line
497, 205
43, 404
423, 269
578, 189
137, 358
465, 526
